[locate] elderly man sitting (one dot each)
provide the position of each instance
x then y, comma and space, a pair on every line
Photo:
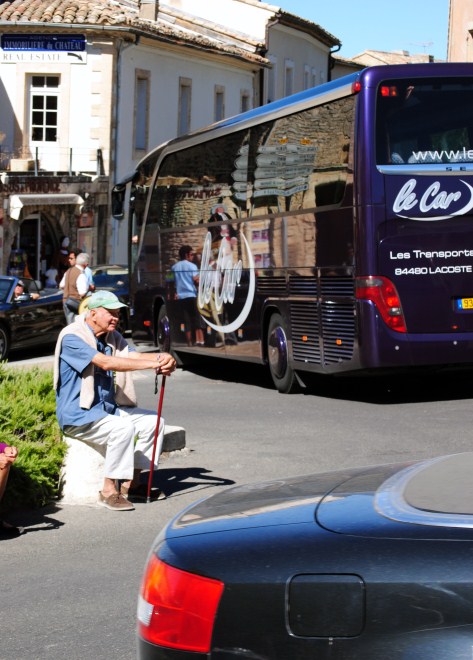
94, 405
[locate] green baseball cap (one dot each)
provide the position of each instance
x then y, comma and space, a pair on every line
105, 299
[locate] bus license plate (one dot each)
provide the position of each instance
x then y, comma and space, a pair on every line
465, 303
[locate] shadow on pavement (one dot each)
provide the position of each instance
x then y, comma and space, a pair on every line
37, 520
231, 371
173, 481
411, 386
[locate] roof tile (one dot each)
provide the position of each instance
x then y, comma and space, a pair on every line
92, 12
116, 13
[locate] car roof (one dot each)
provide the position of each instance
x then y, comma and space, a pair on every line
111, 267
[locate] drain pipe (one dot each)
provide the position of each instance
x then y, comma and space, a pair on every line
331, 62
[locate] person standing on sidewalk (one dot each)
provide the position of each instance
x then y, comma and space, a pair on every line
96, 401
74, 284
186, 278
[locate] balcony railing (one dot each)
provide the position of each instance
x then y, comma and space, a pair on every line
54, 160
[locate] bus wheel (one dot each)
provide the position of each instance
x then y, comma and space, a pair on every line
282, 374
163, 331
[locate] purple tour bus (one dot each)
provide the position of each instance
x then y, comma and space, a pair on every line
328, 232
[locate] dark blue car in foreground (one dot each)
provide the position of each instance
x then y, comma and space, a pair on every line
365, 564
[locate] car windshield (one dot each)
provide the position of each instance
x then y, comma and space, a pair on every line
5, 287
29, 286
110, 276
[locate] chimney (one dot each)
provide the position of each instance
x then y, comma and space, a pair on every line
149, 9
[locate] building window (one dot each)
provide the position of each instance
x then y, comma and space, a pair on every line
244, 100
288, 77
44, 105
219, 110
142, 85
314, 77
306, 76
271, 80
184, 113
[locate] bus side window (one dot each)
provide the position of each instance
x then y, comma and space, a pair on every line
333, 134
139, 191
302, 160
192, 182
227, 166
180, 188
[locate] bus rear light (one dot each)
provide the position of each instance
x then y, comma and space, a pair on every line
383, 294
177, 609
147, 324
388, 90
356, 87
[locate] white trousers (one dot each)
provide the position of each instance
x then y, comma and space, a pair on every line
118, 433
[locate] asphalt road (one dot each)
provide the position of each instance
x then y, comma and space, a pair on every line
69, 585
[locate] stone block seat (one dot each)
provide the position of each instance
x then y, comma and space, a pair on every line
82, 472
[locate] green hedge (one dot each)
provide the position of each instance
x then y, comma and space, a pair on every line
28, 422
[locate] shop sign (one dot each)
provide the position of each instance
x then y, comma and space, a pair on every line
39, 185
17, 48
86, 219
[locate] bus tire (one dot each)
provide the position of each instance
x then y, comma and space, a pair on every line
284, 377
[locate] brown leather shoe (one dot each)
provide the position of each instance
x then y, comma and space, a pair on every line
115, 502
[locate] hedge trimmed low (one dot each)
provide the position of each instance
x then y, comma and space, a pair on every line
28, 422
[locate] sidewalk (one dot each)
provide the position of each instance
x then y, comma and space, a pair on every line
73, 578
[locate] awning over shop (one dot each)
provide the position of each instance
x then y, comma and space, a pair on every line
17, 202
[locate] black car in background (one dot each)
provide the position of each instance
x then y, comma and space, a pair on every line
34, 318
113, 278
372, 564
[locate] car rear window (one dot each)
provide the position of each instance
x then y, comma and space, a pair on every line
435, 492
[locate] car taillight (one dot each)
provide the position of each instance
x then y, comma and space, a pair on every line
383, 293
177, 609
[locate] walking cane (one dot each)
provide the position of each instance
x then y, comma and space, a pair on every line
156, 433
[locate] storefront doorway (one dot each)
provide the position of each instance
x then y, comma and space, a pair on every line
34, 248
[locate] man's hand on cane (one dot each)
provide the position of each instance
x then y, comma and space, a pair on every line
166, 364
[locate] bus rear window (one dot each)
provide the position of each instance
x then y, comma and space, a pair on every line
424, 121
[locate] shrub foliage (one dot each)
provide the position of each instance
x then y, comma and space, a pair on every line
28, 422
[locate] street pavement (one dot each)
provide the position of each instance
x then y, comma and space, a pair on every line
69, 585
